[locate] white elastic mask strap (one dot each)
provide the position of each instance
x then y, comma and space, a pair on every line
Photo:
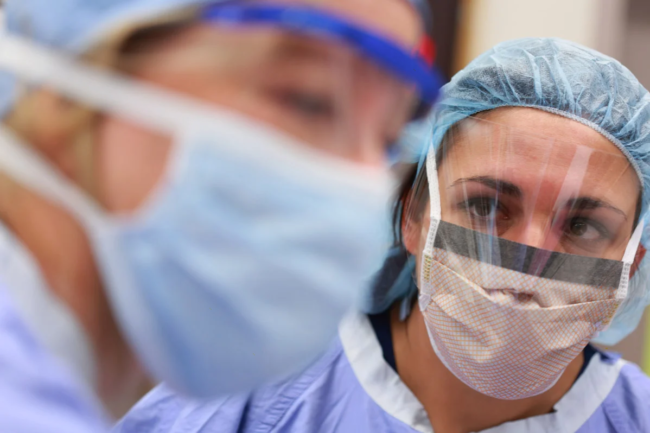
146, 105
165, 111
628, 259
633, 245
434, 200
25, 166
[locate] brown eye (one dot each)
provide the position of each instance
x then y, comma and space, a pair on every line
487, 214
306, 104
482, 208
586, 229
578, 228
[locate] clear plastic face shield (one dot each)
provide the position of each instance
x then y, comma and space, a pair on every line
306, 71
231, 172
524, 248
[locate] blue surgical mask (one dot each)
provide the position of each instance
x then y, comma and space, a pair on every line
244, 259
242, 266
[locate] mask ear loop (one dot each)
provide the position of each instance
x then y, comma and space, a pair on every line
434, 200
628, 260
434, 220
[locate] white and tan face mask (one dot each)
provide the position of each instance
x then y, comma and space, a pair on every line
504, 316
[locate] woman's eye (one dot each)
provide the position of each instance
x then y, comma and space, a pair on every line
482, 208
308, 104
487, 214
584, 229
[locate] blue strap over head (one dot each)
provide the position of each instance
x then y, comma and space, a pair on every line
309, 20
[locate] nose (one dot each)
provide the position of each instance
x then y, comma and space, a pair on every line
357, 147
534, 234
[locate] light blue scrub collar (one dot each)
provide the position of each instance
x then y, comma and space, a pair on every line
385, 387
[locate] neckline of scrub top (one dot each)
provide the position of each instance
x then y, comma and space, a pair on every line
386, 389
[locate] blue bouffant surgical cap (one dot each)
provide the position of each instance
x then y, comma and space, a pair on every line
560, 77
73, 26
567, 79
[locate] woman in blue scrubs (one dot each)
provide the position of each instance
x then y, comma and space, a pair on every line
520, 240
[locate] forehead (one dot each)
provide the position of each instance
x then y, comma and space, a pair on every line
539, 151
551, 127
532, 137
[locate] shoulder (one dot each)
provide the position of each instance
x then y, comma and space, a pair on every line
629, 401
350, 388
37, 393
634, 383
623, 394
163, 410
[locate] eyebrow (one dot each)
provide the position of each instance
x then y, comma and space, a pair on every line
588, 203
508, 188
501, 186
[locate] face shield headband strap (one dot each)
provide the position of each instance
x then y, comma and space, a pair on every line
436, 214
310, 21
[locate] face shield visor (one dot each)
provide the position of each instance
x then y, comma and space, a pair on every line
306, 71
525, 246
231, 172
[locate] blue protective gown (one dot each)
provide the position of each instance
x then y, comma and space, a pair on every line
352, 389
37, 394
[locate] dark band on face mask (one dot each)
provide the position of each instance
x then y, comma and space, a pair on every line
518, 257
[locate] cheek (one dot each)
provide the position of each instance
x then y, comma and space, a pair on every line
130, 161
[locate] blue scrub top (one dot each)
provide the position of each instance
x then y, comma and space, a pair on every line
353, 389
37, 394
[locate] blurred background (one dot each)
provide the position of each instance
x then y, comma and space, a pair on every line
619, 28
